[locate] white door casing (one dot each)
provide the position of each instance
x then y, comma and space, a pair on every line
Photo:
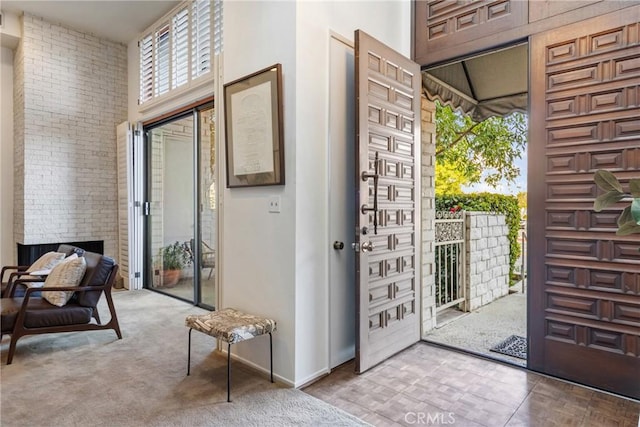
342, 292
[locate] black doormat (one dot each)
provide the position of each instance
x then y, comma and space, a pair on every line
515, 346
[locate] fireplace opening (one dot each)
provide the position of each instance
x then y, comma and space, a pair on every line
27, 254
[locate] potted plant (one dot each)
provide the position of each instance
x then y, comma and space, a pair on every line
174, 258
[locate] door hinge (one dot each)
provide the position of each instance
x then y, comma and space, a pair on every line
146, 208
136, 274
137, 132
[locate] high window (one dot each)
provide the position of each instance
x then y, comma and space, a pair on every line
178, 49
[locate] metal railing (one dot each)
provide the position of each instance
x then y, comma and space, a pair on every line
523, 265
450, 252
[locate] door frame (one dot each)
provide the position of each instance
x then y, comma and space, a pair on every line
335, 356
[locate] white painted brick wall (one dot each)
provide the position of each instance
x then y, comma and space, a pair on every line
18, 143
70, 93
428, 117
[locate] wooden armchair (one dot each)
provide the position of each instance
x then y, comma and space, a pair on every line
207, 256
30, 315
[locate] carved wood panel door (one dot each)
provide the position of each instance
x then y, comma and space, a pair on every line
584, 281
387, 239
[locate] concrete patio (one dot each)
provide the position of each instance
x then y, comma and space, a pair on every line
483, 328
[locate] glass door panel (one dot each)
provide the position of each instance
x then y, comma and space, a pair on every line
171, 190
208, 200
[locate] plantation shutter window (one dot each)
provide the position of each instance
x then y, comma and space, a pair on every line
201, 43
162, 59
146, 68
217, 27
178, 49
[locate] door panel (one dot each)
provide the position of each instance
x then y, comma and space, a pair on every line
387, 241
584, 283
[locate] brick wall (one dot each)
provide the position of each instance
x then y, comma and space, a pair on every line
70, 93
487, 258
428, 120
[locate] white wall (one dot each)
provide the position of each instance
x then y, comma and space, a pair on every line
275, 264
389, 22
178, 189
288, 251
7, 244
9, 38
257, 247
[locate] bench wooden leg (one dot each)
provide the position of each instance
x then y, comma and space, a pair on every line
189, 354
228, 372
271, 354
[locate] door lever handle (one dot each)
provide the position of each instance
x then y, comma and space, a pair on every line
367, 246
365, 208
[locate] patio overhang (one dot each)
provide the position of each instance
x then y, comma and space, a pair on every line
494, 83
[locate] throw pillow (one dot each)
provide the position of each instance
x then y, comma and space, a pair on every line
68, 272
46, 261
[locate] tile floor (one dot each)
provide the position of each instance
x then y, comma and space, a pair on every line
429, 385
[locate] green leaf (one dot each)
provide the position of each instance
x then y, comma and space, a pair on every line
635, 210
628, 228
607, 181
634, 186
607, 199
625, 216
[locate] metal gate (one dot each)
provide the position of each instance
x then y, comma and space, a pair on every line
450, 253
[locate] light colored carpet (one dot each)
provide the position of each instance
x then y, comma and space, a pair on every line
92, 378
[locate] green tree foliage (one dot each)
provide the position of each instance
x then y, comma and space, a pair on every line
479, 151
522, 202
488, 202
449, 180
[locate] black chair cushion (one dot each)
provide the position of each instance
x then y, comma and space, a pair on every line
42, 314
99, 268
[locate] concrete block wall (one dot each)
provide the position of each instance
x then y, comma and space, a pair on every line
70, 93
428, 120
487, 252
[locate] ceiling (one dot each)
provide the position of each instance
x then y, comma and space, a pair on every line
490, 84
116, 20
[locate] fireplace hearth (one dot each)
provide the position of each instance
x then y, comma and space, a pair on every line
27, 254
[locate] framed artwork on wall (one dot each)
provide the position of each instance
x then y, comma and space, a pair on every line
254, 142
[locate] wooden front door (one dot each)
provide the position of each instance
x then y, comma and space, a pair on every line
584, 281
387, 183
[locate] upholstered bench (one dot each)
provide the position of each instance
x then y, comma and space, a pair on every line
231, 326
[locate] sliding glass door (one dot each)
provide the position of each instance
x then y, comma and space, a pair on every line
181, 226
